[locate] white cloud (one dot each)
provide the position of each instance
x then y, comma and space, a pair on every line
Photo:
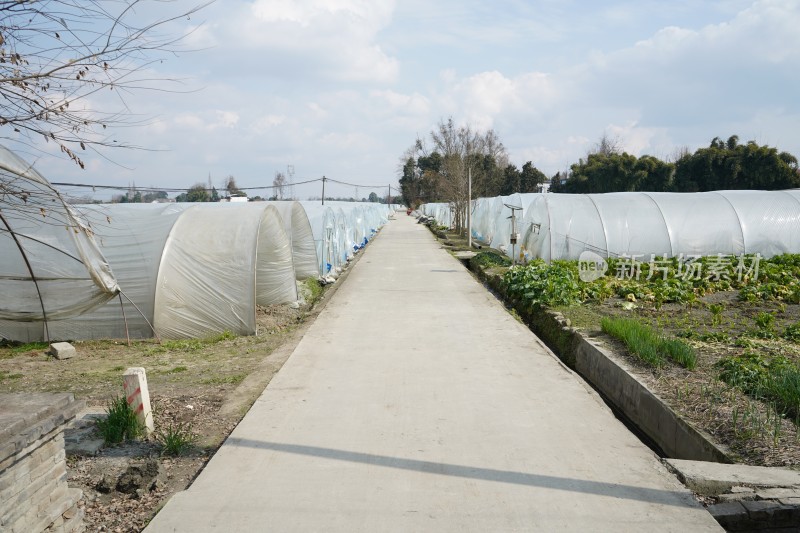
209, 121
317, 39
342, 87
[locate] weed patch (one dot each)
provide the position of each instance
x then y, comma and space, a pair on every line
120, 423
235, 379
176, 439
7, 375
645, 343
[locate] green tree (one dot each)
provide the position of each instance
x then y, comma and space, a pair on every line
614, 172
530, 178
373, 197
197, 193
214, 195
409, 184
730, 165
152, 196
511, 180
231, 187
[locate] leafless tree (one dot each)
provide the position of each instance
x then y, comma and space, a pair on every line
466, 152
608, 145
56, 54
280, 184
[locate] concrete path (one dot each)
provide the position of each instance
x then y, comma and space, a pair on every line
415, 402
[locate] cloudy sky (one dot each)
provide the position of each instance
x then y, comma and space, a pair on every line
342, 87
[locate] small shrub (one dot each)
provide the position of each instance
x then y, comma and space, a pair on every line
176, 439
792, 332
491, 259
538, 284
120, 423
716, 313
765, 321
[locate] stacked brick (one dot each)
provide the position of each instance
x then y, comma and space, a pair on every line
34, 496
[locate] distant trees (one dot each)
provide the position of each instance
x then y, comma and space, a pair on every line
730, 165
724, 165
231, 187
196, 193
615, 173
437, 169
135, 196
528, 180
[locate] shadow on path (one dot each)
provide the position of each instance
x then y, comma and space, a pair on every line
657, 496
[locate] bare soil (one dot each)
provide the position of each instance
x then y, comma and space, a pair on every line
748, 428
206, 385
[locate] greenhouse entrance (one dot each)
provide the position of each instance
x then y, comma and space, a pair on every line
416, 402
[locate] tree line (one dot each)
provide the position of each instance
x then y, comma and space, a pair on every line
436, 169
442, 168
724, 165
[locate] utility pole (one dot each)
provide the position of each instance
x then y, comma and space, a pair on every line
323, 189
469, 207
290, 173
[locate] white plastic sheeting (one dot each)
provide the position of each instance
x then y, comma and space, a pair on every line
219, 262
50, 265
562, 226
501, 238
442, 212
298, 229
328, 240
491, 218
198, 269
191, 269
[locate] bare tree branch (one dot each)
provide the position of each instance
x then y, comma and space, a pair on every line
57, 54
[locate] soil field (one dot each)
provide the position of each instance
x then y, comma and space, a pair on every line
202, 386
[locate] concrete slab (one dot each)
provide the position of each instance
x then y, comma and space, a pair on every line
711, 479
62, 350
416, 402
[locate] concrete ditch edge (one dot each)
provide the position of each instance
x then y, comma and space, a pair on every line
606, 373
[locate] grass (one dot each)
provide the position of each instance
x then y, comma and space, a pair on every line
234, 379
645, 343
189, 345
7, 375
120, 423
176, 439
315, 291
14, 349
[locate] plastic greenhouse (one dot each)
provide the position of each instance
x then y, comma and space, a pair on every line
562, 226
298, 229
328, 237
45, 275
191, 269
